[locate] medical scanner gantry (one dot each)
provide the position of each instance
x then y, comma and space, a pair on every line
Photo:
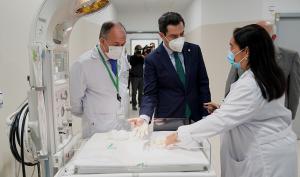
42, 126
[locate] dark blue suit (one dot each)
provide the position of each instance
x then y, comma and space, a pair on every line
165, 94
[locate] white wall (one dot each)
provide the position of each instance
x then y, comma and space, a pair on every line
226, 11
193, 15
139, 15
139, 20
203, 12
106, 14
16, 18
281, 6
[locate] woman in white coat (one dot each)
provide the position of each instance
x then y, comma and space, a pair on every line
255, 127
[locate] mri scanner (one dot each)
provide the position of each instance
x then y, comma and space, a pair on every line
44, 122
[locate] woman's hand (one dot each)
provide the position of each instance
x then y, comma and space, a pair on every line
211, 106
171, 139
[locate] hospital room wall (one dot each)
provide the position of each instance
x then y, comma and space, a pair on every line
16, 18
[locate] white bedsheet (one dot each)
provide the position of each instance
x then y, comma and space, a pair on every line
105, 154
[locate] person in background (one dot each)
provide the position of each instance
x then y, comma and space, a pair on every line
146, 50
255, 126
98, 81
128, 60
288, 61
152, 45
137, 63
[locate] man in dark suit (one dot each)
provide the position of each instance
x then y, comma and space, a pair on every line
175, 80
288, 61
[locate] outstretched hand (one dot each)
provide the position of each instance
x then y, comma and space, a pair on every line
140, 127
171, 139
136, 122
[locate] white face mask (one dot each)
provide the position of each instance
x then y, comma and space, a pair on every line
177, 44
115, 52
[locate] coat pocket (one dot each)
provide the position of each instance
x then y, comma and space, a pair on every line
249, 166
237, 168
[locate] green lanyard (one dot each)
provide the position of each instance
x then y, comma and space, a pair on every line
114, 81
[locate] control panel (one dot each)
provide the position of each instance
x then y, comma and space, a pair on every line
61, 100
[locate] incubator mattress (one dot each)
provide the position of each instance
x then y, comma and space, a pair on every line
106, 154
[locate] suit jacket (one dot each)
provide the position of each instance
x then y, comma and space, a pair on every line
289, 62
164, 93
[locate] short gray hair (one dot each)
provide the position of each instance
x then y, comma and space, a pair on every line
107, 26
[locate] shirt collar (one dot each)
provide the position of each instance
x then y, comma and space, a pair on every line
247, 72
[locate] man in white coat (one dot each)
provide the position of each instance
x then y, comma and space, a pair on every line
98, 83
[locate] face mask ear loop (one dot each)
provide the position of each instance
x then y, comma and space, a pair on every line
239, 52
246, 57
105, 43
167, 39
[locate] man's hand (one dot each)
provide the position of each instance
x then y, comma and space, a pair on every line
211, 106
140, 127
136, 122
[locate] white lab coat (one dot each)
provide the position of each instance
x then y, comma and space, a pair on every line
256, 135
94, 97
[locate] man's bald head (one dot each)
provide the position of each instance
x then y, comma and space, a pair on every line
268, 26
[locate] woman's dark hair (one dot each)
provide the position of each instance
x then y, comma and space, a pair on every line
269, 77
169, 18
